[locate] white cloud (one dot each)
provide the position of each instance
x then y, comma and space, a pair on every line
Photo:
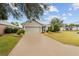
75, 6
46, 12
64, 18
64, 14
70, 9
51, 17
69, 14
53, 9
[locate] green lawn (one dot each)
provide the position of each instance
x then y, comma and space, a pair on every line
66, 37
7, 43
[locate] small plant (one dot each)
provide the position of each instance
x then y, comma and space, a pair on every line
20, 32
77, 32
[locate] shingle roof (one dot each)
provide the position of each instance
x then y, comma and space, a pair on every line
35, 21
7, 23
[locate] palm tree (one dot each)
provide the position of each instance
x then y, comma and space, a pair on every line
31, 10
56, 23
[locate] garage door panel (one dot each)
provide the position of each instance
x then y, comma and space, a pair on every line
34, 30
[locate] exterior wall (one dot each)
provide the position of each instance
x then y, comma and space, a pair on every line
74, 28
61, 29
48, 25
2, 27
33, 27
33, 30
33, 23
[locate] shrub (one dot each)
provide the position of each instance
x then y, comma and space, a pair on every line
8, 30
15, 30
21, 31
49, 29
77, 32
56, 23
11, 30
56, 28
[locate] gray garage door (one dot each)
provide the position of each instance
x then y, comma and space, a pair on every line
34, 29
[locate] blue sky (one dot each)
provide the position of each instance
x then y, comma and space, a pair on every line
69, 12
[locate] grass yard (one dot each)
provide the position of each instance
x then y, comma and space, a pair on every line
7, 43
66, 37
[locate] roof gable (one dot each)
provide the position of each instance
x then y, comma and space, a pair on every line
38, 22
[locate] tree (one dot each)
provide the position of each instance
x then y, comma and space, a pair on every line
66, 26
77, 25
56, 24
56, 28
3, 12
31, 10
7, 10
71, 26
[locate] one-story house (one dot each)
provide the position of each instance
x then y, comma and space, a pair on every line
74, 28
34, 26
4, 24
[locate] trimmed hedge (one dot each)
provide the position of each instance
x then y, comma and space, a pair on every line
11, 30
14, 30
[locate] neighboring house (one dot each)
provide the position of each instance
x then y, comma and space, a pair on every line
34, 26
4, 24
74, 28
2, 27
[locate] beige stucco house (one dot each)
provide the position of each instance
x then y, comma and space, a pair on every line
34, 26
3, 25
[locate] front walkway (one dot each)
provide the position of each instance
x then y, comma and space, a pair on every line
41, 45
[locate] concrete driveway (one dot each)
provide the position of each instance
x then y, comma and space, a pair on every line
36, 44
